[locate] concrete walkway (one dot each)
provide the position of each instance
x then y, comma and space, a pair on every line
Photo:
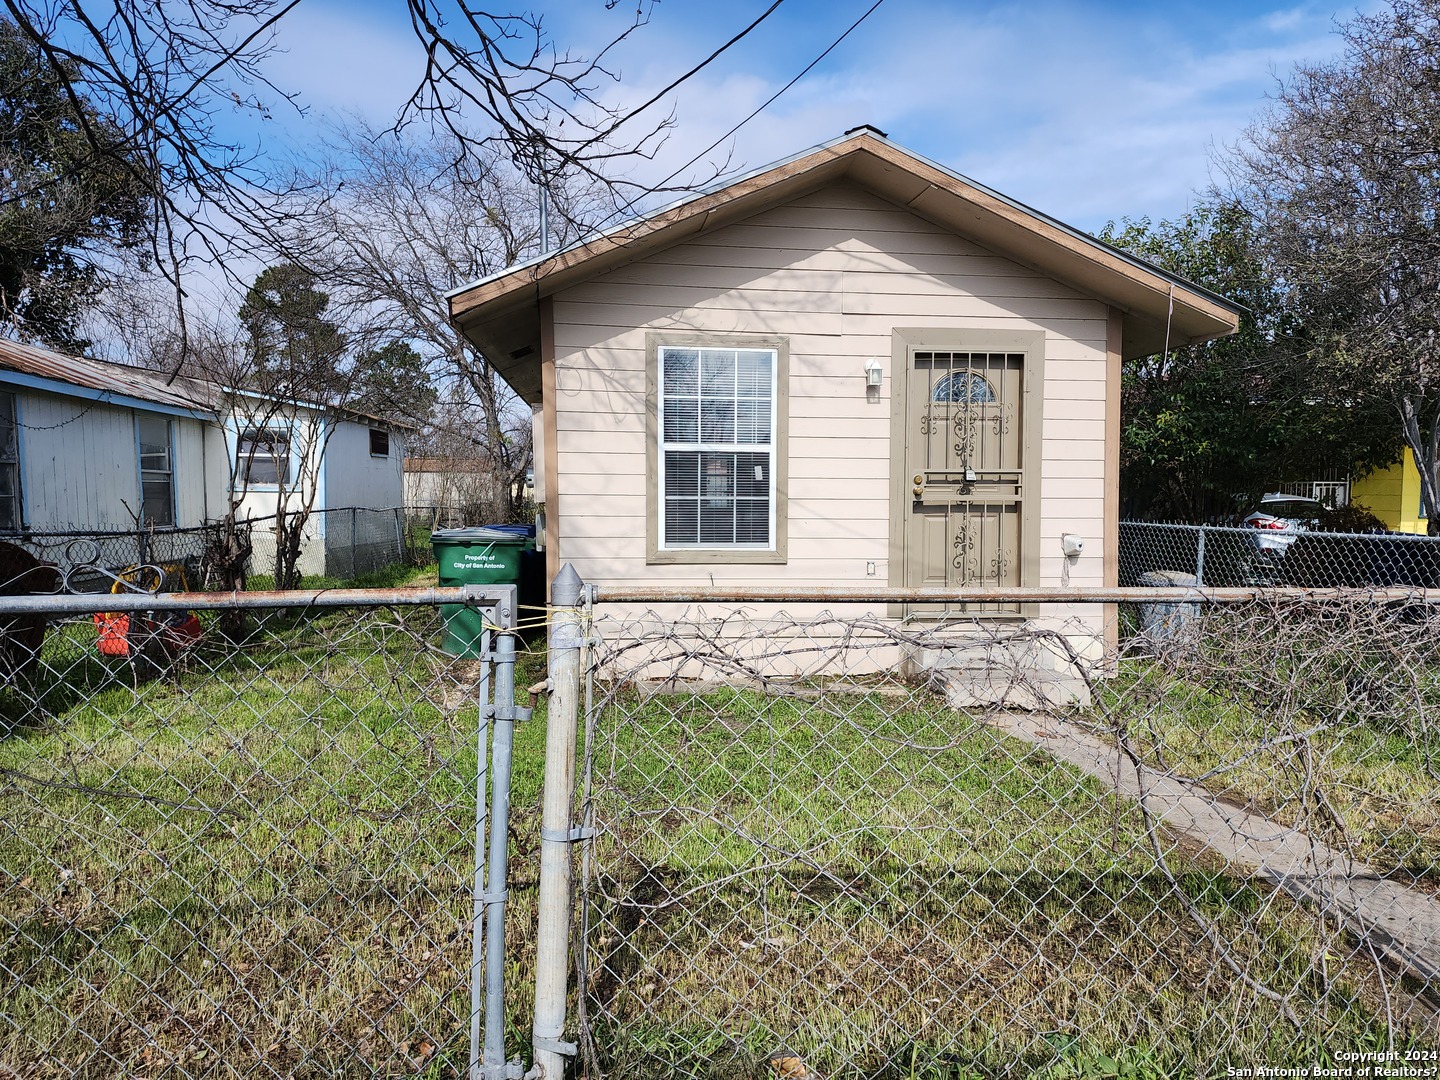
1402, 924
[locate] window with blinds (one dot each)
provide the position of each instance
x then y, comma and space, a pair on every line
717, 442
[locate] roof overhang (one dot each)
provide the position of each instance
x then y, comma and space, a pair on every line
501, 314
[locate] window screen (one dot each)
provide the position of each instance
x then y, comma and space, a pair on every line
717, 435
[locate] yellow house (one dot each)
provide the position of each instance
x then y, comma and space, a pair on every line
1393, 495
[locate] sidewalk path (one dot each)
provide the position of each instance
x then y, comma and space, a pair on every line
1401, 923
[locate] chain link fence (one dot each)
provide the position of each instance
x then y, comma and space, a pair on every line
1240, 556
1153, 841
345, 543
242, 842
1160, 838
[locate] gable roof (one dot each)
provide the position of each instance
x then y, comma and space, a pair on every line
133, 387
500, 313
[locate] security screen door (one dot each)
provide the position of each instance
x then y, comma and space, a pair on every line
964, 470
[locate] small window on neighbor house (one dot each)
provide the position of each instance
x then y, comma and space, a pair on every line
157, 472
379, 443
10, 505
264, 458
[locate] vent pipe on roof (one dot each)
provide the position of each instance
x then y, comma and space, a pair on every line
544, 215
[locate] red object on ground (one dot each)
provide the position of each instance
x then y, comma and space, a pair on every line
114, 633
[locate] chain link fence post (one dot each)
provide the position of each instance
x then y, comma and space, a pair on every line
553, 916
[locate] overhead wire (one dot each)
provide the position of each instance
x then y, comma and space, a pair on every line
772, 98
631, 203
688, 75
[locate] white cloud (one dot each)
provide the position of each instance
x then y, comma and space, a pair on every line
1083, 114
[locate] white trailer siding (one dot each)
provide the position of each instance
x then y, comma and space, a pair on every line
354, 476
80, 464
356, 538
835, 273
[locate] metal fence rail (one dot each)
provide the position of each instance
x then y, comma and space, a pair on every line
239, 836
1238, 556
1170, 839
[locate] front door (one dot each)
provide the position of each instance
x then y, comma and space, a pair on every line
964, 471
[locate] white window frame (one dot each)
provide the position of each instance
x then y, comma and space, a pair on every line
245, 461
153, 474
658, 549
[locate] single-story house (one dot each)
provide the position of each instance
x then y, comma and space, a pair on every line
88, 446
456, 490
854, 366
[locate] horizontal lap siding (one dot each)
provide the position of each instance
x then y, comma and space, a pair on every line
835, 273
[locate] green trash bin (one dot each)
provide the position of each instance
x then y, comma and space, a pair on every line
475, 556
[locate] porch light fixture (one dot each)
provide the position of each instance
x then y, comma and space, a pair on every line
874, 372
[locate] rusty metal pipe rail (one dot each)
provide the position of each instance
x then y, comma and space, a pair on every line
84, 603
879, 594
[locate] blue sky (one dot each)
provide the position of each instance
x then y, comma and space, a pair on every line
1087, 111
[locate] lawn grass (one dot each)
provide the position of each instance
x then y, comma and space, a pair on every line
257, 865
880, 884
891, 889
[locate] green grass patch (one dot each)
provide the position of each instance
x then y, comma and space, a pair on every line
890, 888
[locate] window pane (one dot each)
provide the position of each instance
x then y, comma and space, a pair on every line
157, 508
681, 367
753, 372
154, 435
752, 521
9, 514
753, 422
716, 476
717, 521
717, 373
681, 423
262, 470
752, 476
7, 481
682, 474
717, 421
264, 458
681, 521
8, 442
379, 443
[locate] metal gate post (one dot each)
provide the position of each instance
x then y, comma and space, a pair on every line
494, 752
552, 945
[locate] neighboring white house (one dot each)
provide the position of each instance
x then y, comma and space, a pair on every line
89, 446
853, 366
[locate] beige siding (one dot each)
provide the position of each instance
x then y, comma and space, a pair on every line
834, 272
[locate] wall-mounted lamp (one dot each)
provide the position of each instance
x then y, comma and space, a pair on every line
874, 372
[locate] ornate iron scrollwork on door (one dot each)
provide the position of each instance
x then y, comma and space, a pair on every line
969, 423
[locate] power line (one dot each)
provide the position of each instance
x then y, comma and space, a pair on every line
771, 99
688, 75
630, 204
